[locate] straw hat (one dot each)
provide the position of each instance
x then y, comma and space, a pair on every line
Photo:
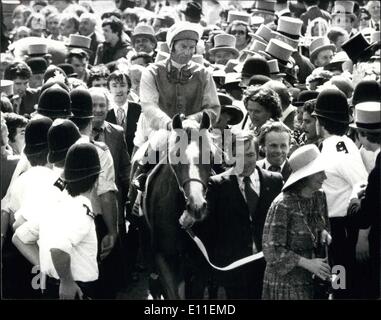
145, 31
263, 34
281, 51
37, 49
368, 116
6, 87
304, 162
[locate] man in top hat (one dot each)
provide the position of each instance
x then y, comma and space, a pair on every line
143, 40
87, 24
345, 171
312, 12
364, 211
224, 49
177, 84
343, 16
321, 51
289, 31
115, 45
193, 12
264, 9
24, 97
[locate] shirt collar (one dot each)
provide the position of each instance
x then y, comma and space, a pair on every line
178, 65
252, 176
124, 107
268, 164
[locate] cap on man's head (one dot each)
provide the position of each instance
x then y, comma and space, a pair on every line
183, 31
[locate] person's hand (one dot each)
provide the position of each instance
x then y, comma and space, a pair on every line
320, 268
69, 290
186, 220
359, 191
325, 238
107, 244
362, 248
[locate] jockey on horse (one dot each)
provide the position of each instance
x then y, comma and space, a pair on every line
176, 85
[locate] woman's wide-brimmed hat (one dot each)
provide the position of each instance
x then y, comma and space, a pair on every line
318, 45
368, 116
304, 162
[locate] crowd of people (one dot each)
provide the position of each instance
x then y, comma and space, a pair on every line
87, 97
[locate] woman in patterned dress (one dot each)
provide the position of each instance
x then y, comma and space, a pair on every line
294, 222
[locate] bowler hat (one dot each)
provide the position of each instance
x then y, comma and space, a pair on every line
358, 48
61, 136
258, 79
82, 161
337, 61
255, 65
366, 90
81, 103
193, 10
332, 104
368, 116
304, 96
54, 103
37, 65
36, 135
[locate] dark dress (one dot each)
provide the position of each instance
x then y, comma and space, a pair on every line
286, 238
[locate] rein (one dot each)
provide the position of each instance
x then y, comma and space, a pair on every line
231, 266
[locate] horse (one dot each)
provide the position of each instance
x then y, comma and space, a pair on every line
175, 188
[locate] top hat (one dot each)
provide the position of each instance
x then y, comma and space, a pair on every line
225, 42
54, 102
368, 116
256, 47
256, 21
274, 68
239, 16
281, 51
318, 45
358, 48
82, 161
232, 78
37, 49
61, 136
37, 65
263, 34
227, 106
264, 6
193, 10
6, 86
366, 90
332, 104
304, 96
144, 30
344, 8
304, 162
255, 65
290, 27
78, 41
375, 36
81, 103
36, 135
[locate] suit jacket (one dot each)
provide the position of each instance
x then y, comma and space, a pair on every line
28, 101
286, 171
227, 231
133, 115
115, 140
96, 40
313, 13
305, 66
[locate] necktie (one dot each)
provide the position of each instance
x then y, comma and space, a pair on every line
97, 133
274, 168
251, 196
120, 116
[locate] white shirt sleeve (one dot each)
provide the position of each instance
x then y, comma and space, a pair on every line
107, 176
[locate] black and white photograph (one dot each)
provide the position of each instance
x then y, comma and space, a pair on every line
212, 151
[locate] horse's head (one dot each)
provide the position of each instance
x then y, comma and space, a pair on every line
190, 156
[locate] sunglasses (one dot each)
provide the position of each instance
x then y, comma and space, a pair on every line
238, 32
